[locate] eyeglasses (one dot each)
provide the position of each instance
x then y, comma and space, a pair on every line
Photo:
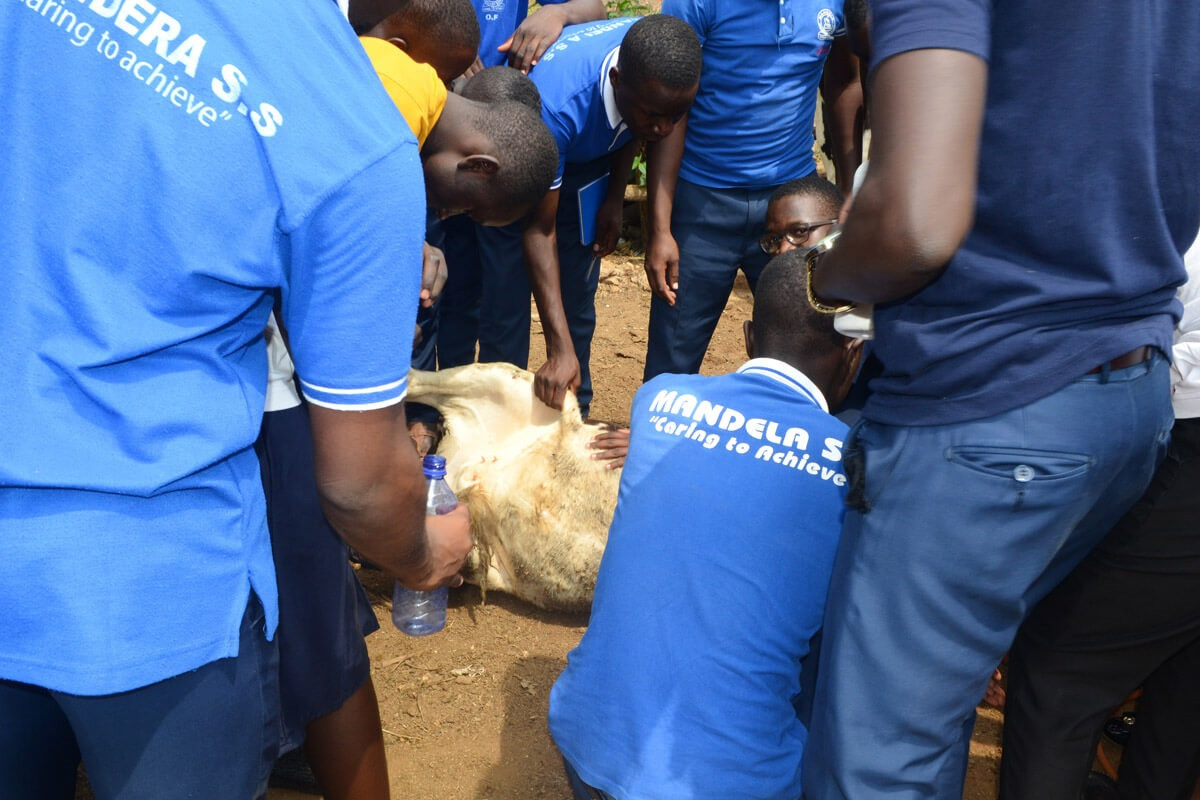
796, 235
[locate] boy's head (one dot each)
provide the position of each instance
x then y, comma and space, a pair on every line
786, 327
441, 33
494, 168
503, 83
799, 214
657, 74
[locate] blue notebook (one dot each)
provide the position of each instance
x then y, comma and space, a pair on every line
591, 197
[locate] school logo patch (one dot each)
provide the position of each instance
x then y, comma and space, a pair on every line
826, 24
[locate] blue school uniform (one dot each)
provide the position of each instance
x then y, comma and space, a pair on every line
749, 131
577, 95
690, 679
579, 109
197, 171
751, 126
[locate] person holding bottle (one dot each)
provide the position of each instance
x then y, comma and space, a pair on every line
415, 612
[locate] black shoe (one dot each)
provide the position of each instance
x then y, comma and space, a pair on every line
1099, 787
292, 771
1119, 728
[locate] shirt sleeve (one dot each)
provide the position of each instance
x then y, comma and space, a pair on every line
898, 26
564, 133
354, 276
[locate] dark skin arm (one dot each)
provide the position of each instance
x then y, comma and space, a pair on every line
560, 373
608, 218
662, 171
844, 113
918, 201
539, 30
373, 493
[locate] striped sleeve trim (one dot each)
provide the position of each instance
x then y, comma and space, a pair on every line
365, 399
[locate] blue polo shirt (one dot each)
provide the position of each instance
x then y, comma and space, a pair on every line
498, 19
1072, 263
713, 582
577, 96
200, 171
751, 126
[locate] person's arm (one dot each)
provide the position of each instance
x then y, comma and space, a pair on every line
539, 30
608, 217
540, 240
918, 201
662, 171
373, 493
841, 89
349, 312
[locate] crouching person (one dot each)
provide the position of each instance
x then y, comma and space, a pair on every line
689, 680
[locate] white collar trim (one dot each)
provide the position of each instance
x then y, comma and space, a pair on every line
606, 90
788, 375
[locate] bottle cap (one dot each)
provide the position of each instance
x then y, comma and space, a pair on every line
434, 466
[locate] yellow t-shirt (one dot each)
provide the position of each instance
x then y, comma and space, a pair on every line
415, 88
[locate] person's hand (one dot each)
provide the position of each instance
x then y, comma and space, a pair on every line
612, 445
994, 696
608, 227
662, 266
531, 38
476, 66
433, 273
448, 541
558, 375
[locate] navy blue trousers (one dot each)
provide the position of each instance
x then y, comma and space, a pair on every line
717, 231
211, 732
1128, 616
956, 533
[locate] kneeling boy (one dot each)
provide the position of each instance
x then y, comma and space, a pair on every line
689, 680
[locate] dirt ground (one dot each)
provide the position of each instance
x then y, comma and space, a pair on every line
464, 711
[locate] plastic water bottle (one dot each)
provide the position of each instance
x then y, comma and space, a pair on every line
422, 613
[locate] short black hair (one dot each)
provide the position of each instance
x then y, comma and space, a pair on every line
503, 83
452, 21
527, 153
784, 322
829, 195
663, 49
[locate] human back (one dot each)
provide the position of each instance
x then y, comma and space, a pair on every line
195, 171
691, 678
709, 592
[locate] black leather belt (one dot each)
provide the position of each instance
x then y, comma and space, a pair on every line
1134, 357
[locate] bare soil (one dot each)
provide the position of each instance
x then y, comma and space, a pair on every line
464, 711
